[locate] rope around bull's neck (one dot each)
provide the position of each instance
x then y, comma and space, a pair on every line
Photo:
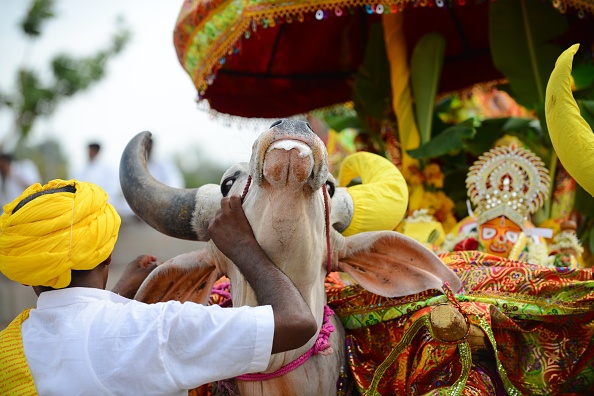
320, 345
246, 188
327, 224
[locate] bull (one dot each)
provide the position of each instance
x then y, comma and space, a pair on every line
297, 214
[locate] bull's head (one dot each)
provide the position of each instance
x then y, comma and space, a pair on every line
285, 206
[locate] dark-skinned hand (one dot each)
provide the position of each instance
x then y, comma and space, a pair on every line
134, 274
230, 229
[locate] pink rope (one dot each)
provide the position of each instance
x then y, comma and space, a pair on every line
320, 345
223, 291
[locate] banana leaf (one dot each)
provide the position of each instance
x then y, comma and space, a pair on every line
521, 34
449, 141
425, 73
486, 134
517, 124
372, 93
587, 111
583, 76
584, 202
340, 122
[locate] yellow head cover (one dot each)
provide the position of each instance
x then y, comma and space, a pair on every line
45, 234
380, 201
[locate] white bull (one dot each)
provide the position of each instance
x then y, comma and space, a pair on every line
285, 205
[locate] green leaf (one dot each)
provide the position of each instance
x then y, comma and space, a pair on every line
425, 73
586, 93
449, 141
584, 202
486, 135
591, 241
521, 33
39, 11
339, 122
443, 105
587, 111
583, 75
540, 113
454, 186
517, 124
372, 90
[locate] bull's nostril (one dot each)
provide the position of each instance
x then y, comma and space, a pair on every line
275, 123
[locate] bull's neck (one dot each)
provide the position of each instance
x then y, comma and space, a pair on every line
290, 228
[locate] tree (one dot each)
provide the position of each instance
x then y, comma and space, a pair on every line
33, 98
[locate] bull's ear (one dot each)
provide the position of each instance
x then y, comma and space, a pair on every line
392, 265
187, 277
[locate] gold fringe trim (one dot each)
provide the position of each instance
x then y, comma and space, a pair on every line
265, 14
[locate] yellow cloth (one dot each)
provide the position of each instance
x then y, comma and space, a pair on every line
15, 376
571, 136
402, 101
42, 241
430, 232
380, 201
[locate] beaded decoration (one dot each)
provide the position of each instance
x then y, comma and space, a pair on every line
507, 181
207, 32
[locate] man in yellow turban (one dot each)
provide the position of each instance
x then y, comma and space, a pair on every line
82, 339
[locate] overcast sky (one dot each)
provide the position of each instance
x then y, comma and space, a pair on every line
145, 88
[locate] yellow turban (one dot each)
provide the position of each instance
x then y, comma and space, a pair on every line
381, 200
42, 239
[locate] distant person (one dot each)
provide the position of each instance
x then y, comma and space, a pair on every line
163, 170
84, 340
15, 176
97, 171
106, 176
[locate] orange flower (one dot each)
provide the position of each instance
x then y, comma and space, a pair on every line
433, 176
413, 175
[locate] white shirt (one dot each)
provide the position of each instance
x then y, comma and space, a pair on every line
22, 175
83, 341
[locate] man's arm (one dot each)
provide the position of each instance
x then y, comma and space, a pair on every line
231, 232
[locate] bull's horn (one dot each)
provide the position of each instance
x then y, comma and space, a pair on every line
380, 202
571, 136
168, 210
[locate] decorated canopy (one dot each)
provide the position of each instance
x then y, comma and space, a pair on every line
269, 58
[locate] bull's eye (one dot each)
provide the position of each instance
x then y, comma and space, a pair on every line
227, 184
330, 188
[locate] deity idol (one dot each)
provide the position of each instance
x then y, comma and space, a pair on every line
506, 185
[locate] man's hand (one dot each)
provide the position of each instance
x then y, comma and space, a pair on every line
231, 232
134, 274
230, 229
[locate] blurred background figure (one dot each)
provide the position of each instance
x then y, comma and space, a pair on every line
106, 176
163, 170
15, 176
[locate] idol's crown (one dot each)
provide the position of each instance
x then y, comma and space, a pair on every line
509, 181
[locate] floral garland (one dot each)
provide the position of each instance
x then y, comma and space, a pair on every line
567, 240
